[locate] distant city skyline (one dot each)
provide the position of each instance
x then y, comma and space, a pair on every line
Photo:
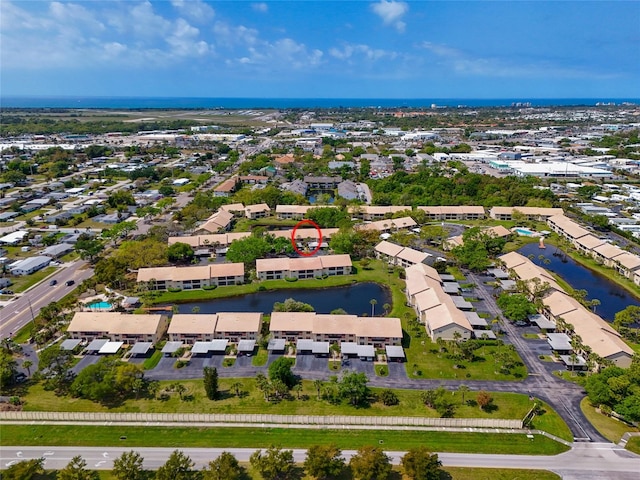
320, 49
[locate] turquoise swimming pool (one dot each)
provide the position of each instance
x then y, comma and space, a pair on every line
525, 232
100, 306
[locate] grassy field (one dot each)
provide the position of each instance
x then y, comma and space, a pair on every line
633, 445
72, 435
251, 401
608, 427
151, 362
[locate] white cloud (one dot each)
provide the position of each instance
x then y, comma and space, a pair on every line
194, 10
281, 54
260, 7
391, 13
185, 40
349, 52
234, 35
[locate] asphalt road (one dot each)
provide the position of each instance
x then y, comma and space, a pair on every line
20, 311
585, 461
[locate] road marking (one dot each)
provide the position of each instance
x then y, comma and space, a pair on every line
18, 454
45, 454
105, 454
100, 463
12, 462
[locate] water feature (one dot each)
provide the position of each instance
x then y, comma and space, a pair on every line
326, 195
354, 299
613, 297
100, 306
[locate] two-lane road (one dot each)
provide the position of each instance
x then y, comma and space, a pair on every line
17, 313
603, 461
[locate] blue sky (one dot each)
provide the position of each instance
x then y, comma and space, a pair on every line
340, 49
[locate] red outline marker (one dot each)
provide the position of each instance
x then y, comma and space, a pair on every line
293, 238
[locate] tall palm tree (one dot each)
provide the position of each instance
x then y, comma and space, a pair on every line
373, 303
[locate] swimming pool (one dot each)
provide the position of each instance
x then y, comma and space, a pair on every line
525, 232
100, 306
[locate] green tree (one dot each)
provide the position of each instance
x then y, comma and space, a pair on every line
274, 464
225, 467
628, 316
211, 382
248, 250
370, 463
516, 306
54, 366
484, 399
25, 470
76, 469
292, 305
280, 369
180, 252
353, 386
128, 466
388, 397
329, 217
420, 464
177, 467
88, 247
324, 461
8, 369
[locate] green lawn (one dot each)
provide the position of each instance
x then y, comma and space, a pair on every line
633, 445
260, 358
251, 401
608, 427
72, 435
458, 473
152, 361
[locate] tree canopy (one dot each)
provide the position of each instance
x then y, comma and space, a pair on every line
516, 306
617, 389
370, 463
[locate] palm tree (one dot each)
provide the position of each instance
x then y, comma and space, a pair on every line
463, 389
195, 309
386, 307
236, 386
27, 364
373, 303
318, 386
181, 389
298, 389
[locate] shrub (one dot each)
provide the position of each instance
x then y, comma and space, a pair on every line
291, 279
209, 287
174, 290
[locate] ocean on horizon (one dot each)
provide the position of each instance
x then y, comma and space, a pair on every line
286, 103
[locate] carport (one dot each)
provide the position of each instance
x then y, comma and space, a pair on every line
461, 303
366, 352
141, 348
451, 288
476, 320
246, 347
96, 345
171, 347
276, 345
200, 348
349, 349
395, 353
218, 347
543, 322
320, 349
445, 277
304, 346
498, 273
559, 342
482, 334
110, 348
70, 344
577, 363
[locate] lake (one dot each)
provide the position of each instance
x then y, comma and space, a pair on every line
613, 298
354, 299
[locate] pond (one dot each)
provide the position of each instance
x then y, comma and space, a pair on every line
354, 299
613, 297
325, 195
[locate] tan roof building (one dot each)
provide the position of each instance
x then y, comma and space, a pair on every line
118, 327
536, 213
566, 227
190, 328
221, 220
461, 212
234, 208
209, 241
376, 212
235, 326
303, 267
257, 211
188, 278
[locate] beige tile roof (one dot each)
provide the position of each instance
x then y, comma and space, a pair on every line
335, 324
200, 272
425, 270
291, 321
115, 323
609, 251
341, 260
388, 248
512, 259
447, 314
378, 210
541, 211
191, 323
411, 255
302, 263
454, 209
302, 209
238, 322
498, 231
233, 207
589, 242
628, 260
260, 207
305, 263
385, 327
559, 304
227, 186
570, 228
